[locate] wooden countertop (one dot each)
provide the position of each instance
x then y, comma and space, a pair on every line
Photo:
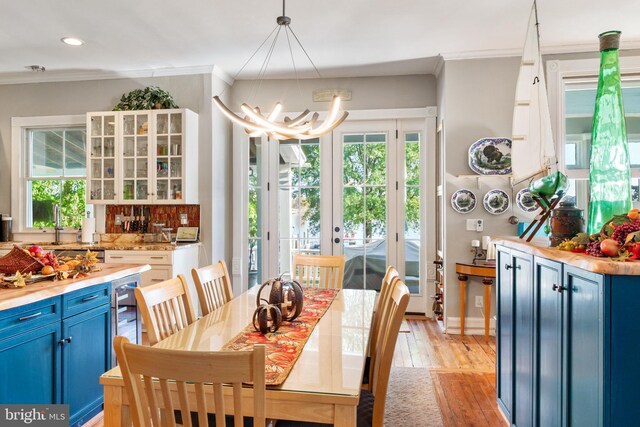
10, 298
108, 246
539, 247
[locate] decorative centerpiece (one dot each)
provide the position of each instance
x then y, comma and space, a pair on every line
286, 299
618, 239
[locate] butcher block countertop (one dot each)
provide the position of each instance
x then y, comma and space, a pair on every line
540, 247
107, 246
10, 298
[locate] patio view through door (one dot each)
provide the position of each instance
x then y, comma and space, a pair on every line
356, 192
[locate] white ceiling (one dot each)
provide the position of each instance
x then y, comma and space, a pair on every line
343, 37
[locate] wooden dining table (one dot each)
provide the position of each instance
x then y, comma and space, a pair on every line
324, 384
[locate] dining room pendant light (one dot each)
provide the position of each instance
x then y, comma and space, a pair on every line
304, 126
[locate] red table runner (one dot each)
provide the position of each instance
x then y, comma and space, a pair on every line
285, 345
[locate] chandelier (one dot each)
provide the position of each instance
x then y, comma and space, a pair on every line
304, 126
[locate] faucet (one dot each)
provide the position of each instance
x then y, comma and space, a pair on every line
58, 227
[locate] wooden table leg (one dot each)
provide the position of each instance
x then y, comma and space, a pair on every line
113, 414
462, 278
345, 416
487, 282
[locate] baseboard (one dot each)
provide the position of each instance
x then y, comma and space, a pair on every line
472, 326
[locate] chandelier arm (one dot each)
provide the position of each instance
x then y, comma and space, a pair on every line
314, 134
305, 51
261, 121
237, 119
297, 120
331, 116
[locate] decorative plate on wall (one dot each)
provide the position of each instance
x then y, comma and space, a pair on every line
496, 201
491, 156
463, 201
525, 201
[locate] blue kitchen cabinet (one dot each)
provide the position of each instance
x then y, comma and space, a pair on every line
54, 351
548, 342
582, 370
515, 336
86, 356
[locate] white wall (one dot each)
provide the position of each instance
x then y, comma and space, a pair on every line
477, 101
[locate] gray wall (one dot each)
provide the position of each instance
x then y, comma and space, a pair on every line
477, 101
367, 92
61, 98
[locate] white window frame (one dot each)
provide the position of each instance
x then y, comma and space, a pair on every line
563, 72
19, 161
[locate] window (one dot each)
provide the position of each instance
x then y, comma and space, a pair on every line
57, 174
572, 88
49, 158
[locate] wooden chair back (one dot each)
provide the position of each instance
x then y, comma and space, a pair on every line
385, 347
158, 381
383, 302
166, 307
213, 285
318, 271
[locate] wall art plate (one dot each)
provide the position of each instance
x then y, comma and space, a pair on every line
463, 201
491, 156
525, 201
496, 201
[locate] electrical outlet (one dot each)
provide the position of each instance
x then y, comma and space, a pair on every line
479, 301
183, 219
118, 220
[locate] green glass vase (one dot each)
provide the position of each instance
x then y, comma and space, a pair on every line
609, 173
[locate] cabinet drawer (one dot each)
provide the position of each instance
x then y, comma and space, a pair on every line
85, 299
20, 319
158, 273
139, 257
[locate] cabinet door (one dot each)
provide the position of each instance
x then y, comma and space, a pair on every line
523, 333
169, 175
30, 366
136, 154
547, 279
504, 335
583, 347
86, 356
101, 158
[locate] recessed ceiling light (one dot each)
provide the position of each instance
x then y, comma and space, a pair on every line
72, 41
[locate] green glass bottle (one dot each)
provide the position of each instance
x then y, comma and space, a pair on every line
609, 173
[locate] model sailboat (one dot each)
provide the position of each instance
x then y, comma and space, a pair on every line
532, 151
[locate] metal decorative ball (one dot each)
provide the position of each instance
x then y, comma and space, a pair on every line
286, 294
267, 318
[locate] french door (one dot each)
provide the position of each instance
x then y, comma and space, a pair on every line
359, 192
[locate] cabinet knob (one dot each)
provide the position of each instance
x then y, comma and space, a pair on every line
61, 342
561, 288
554, 287
68, 339
508, 267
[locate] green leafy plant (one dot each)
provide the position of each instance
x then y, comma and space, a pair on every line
149, 98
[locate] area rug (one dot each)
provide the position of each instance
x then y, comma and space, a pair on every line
411, 399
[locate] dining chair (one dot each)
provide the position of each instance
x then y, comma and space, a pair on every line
213, 284
158, 383
166, 308
383, 301
318, 271
372, 399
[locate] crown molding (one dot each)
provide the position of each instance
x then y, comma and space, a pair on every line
439, 66
82, 75
222, 75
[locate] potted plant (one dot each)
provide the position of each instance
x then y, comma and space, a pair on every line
149, 98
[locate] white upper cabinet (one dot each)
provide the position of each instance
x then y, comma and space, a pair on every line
143, 157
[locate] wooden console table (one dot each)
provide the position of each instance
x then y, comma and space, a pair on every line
488, 273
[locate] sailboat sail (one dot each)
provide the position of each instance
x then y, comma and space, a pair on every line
532, 149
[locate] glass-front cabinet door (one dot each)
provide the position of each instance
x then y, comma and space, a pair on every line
169, 156
101, 158
136, 171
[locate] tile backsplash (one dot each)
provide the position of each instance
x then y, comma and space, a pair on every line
167, 214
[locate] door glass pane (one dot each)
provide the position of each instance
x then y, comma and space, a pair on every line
162, 189
412, 207
298, 200
364, 209
255, 212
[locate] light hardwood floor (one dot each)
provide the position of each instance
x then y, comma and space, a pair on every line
462, 369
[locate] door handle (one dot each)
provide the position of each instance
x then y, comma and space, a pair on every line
336, 240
